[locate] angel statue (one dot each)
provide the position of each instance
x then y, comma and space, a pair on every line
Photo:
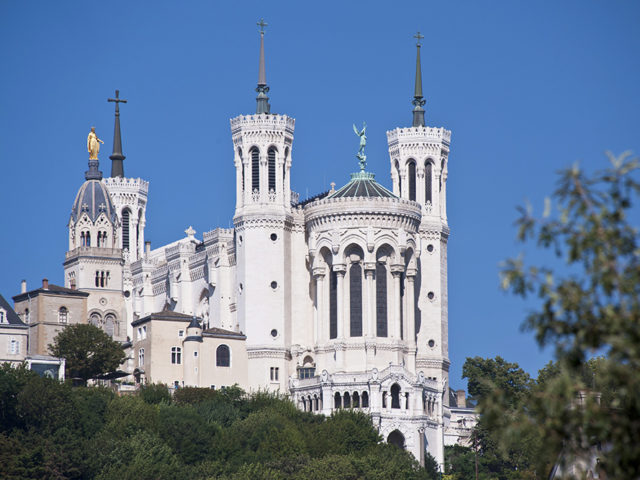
363, 142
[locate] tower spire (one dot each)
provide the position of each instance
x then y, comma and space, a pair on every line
117, 168
262, 89
418, 101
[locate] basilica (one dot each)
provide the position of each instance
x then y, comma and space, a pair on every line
338, 301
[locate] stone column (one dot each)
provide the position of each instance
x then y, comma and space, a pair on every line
320, 318
410, 318
239, 185
369, 324
340, 270
420, 194
396, 271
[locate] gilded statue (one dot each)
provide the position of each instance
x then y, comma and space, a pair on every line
93, 144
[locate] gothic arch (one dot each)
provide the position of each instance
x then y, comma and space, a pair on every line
411, 166
351, 241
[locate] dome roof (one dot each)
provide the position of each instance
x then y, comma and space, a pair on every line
93, 198
362, 184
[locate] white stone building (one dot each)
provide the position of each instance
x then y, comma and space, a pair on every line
339, 301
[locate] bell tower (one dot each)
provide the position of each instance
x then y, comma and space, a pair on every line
263, 222
419, 161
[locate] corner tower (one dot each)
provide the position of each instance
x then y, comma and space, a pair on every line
129, 198
263, 226
93, 262
419, 161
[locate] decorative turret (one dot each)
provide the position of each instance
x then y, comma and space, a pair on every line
117, 168
418, 101
262, 89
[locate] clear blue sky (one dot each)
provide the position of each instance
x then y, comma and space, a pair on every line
526, 88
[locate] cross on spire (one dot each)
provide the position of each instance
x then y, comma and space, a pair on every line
262, 100
117, 100
117, 168
419, 37
262, 24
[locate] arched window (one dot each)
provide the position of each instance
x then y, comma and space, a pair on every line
284, 167
365, 400
141, 357
337, 399
346, 401
395, 396
95, 319
87, 238
255, 170
315, 403
223, 356
272, 169
63, 315
428, 178
441, 174
399, 179
396, 438
83, 241
381, 300
355, 299
333, 305
126, 215
99, 239
104, 239
109, 324
97, 278
102, 278
176, 355
356, 400
412, 179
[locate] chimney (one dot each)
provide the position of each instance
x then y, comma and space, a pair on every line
461, 399
147, 246
23, 286
45, 284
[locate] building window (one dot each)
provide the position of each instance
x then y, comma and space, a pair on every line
3, 316
14, 346
306, 372
381, 300
223, 356
110, 324
181, 333
355, 300
141, 357
427, 181
272, 169
395, 396
142, 333
274, 374
255, 170
95, 319
27, 315
63, 315
176, 355
412, 180
126, 215
333, 305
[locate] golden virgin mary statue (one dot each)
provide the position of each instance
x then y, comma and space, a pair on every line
93, 144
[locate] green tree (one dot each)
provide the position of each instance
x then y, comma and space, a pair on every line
88, 351
589, 302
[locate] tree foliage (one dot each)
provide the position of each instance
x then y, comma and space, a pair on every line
589, 304
198, 434
88, 351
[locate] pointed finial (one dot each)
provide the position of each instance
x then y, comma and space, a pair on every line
262, 100
117, 169
418, 100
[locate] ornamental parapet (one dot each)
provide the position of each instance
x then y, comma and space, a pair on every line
115, 253
271, 121
412, 134
382, 212
119, 183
